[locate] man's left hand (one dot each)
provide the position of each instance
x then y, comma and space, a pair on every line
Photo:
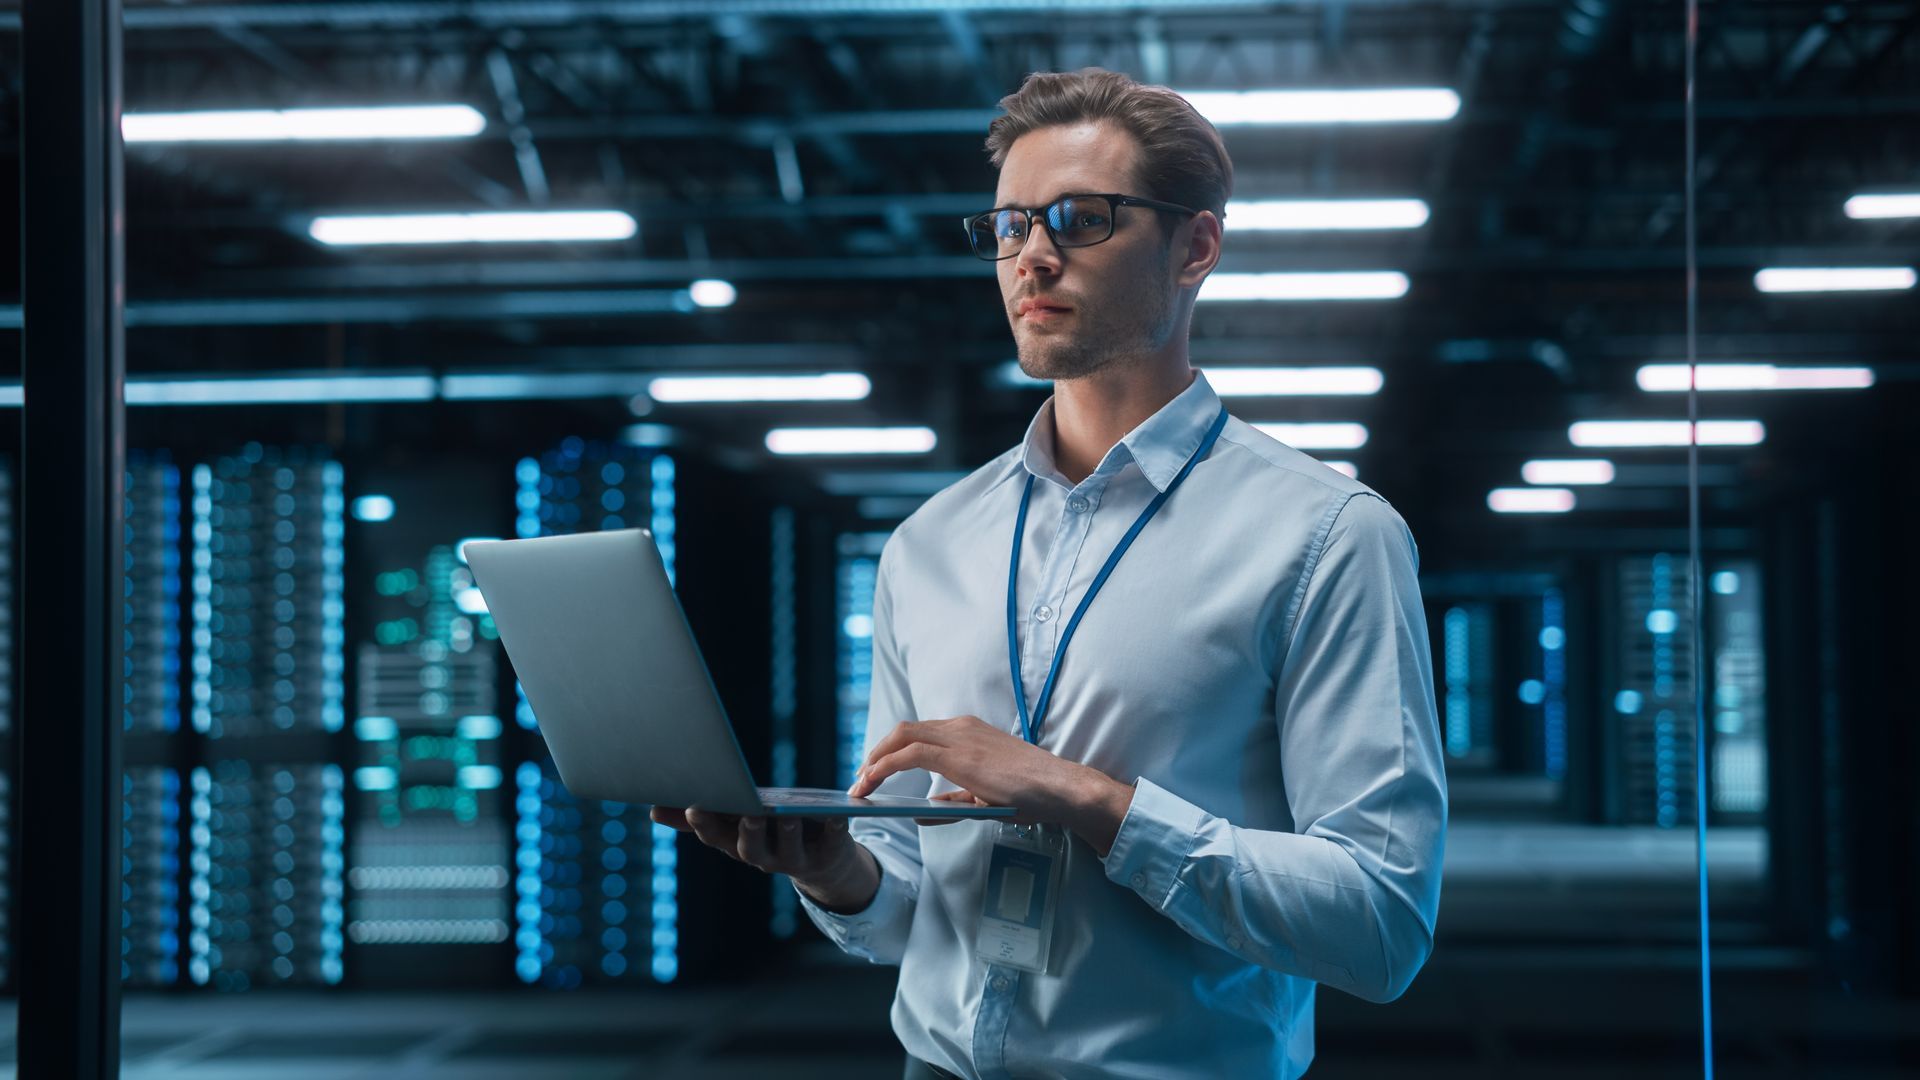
1000, 769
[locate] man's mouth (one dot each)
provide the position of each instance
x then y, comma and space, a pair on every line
1041, 310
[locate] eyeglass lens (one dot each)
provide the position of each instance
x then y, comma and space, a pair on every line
1075, 221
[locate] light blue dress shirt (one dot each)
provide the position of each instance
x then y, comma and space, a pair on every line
1257, 666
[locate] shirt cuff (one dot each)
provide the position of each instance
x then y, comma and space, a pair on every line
866, 933
1153, 843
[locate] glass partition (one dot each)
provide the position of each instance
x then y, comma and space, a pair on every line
1804, 196
1611, 303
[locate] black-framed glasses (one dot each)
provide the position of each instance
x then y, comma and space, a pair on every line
1072, 221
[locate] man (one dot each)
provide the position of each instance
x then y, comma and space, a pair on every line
1237, 761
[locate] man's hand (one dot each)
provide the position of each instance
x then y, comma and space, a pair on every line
830, 866
994, 768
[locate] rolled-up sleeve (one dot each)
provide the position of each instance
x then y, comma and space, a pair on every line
1350, 898
878, 932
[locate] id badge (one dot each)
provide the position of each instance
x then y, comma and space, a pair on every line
1023, 881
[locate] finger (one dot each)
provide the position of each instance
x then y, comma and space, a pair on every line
961, 796
750, 846
917, 755
787, 845
715, 830
671, 816
891, 741
905, 733
817, 845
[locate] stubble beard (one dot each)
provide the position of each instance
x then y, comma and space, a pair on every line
1122, 330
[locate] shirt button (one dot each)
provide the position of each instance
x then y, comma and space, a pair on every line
1234, 941
1043, 613
1139, 880
999, 984
1077, 505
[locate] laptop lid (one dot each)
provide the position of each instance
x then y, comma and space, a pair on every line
602, 648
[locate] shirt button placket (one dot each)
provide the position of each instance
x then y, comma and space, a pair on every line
990, 1025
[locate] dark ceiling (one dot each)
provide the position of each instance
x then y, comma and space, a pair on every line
818, 154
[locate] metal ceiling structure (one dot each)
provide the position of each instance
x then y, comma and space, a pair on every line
818, 154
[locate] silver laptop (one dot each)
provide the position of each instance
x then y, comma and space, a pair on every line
619, 690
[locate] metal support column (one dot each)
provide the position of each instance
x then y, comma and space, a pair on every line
73, 458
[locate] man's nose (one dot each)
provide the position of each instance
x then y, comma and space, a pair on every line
1039, 254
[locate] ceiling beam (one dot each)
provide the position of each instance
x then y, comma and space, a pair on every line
1518, 258
531, 13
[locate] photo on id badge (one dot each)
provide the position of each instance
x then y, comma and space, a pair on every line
1019, 885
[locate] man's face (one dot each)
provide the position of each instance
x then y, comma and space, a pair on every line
1106, 304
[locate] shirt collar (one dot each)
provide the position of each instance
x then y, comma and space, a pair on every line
1160, 445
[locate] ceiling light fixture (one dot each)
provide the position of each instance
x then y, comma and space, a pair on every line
1374, 106
486, 227
305, 125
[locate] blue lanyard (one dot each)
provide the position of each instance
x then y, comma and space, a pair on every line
1031, 727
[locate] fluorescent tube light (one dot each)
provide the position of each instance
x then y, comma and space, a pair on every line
373, 508
649, 435
1902, 205
712, 293
851, 440
833, 386
485, 227
1385, 106
1799, 279
1293, 381
277, 390
1540, 500
529, 386
1666, 377
1567, 471
1348, 468
1337, 285
305, 125
475, 386
904, 482
1665, 433
1301, 215
1008, 375
1317, 436
274, 390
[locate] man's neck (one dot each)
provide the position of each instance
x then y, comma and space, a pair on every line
1091, 414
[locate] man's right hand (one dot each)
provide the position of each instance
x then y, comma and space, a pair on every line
836, 871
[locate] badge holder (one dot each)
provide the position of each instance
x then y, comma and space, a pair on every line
1023, 881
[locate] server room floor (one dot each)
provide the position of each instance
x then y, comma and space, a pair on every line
1565, 951
1474, 1012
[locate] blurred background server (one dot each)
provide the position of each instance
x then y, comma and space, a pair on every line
403, 275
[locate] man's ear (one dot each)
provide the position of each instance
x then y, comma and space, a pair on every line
1202, 249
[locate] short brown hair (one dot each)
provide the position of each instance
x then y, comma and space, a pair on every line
1182, 159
